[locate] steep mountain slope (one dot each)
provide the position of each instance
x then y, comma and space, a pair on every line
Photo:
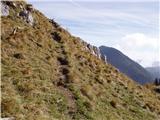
48, 74
155, 71
126, 65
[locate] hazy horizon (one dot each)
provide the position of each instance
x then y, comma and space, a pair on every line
130, 26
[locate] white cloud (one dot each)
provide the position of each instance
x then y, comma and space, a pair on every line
139, 46
140, 40
82, 13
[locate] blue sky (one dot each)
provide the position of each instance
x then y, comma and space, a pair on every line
132, 26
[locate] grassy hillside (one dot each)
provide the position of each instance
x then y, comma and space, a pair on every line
46, 74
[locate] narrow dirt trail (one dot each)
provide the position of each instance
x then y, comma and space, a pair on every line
61, 85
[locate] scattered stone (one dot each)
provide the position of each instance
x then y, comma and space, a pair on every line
93, 49
59, 100
14, 31
21, 7
29, 7
26, 16
4, 9
11, 4
23, 14
30, 19
97, 52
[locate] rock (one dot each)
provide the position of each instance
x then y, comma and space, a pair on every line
29, 7
23, 14
4, 9
27, 16
30, 19
90, 48
104, 58
97, 52
11, 4
16, 29
21, 7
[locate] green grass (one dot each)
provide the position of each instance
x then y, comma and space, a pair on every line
32, 64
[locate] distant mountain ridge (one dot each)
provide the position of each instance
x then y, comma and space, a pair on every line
126, 65
155, 71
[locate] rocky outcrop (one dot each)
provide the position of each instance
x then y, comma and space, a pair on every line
104, 57
25, 12
93, 50
4, 9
